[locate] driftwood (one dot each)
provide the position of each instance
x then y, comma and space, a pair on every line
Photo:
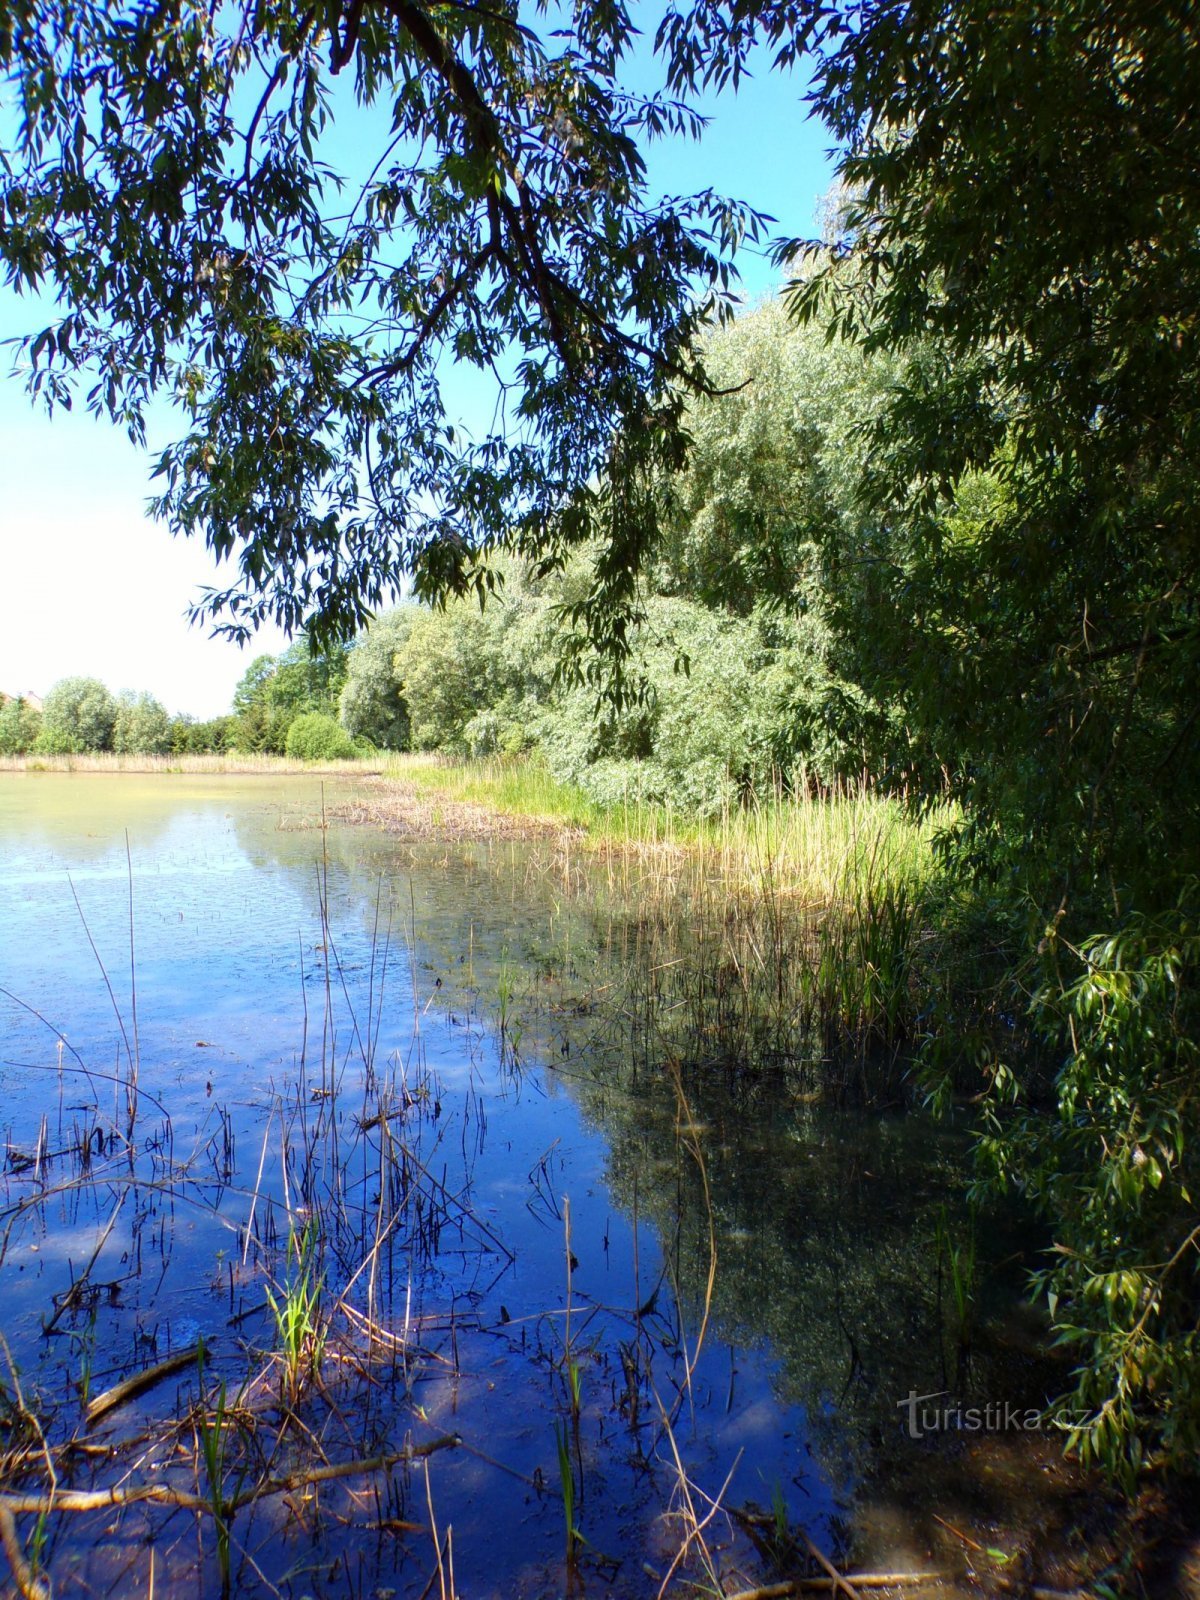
33, 1587
164, 1494
141, 1381
26, 1580
831, 1572
790, 1587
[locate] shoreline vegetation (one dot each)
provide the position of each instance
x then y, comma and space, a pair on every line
800, 935
804, 841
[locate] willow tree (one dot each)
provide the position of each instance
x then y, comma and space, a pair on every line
182, 178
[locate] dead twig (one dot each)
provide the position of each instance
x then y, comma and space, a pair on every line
837, 1581
141, 1381
26, 1580
860, 1580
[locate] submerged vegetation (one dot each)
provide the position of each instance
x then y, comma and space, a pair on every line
324, 1254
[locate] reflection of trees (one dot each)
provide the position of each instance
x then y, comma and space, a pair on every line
80, 819
826, 1219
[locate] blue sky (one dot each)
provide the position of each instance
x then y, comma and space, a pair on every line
88, 584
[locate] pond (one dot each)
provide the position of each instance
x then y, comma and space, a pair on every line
451, 1272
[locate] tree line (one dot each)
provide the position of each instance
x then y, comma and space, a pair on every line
282, 706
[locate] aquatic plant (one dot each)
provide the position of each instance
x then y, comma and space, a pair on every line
297, 1310
212, 1436
566, 1482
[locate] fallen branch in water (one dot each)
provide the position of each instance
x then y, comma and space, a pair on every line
141, 1381
343, 1469
1034, 1591
164, 1494
33, 1587
26, 1580
831, 1572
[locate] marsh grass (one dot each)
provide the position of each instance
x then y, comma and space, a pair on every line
298, 1312
806, 846
957, 1284
211, 1430
229, 764
791, 930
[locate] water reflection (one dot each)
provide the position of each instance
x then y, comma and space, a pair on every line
557, 1232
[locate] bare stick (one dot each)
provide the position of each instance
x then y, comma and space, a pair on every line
26, 1580
831, 1571
165, 1495
140, 1381
860, 1580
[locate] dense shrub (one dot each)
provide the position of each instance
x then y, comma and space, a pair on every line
78, 716
20, 725
316, 736
141, 725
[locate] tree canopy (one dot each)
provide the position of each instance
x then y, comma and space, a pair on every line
171, 178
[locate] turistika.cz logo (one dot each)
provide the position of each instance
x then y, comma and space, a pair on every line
997, 1416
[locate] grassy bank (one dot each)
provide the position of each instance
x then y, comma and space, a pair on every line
793, 930
817, 849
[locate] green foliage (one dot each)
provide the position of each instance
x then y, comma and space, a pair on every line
78, 716
215, 737
443, 671
20, 726
213, 1435
274, 691
141, 726
315, 736
1116, 1169
297, 1311
506, 216
372, 704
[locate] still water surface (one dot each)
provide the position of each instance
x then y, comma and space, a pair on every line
545, 1242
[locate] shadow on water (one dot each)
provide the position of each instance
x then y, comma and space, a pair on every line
455, 1265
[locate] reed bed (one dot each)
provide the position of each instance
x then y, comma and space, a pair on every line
789, 933
811, 846
230, 764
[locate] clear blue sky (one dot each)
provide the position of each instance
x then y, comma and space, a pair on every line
88, 584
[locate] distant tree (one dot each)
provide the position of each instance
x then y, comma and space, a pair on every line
141, 725
308, 679
189, 737
78, 716
443, 673
20, 725
253, 684
274, 691
372, 703
316, 736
